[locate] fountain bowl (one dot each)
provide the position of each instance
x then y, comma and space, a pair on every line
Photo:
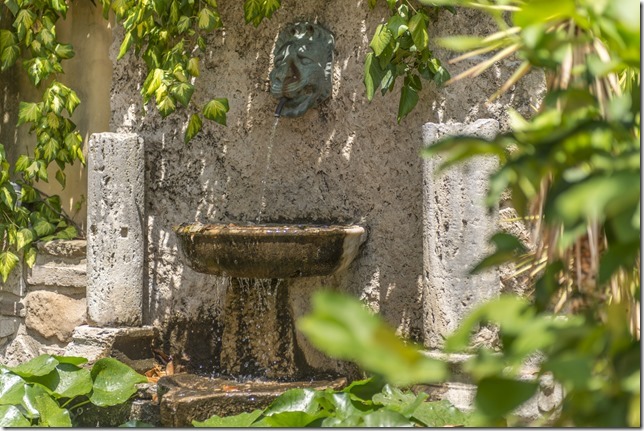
270, 250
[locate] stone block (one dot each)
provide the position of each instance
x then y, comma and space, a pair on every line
456, 228
69, 249
129, 345
56, 274
8, 326
115, 236
21, 349
51, 314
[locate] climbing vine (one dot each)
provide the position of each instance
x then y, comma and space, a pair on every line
170, 37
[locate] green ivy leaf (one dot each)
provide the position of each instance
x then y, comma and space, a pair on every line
183, 92
166, 106
418, 30
408, 100
64, 50
194, 127
29, 112
193, 66
8, 57
114, 382
380, 40
208, 20
30, 256
23, 237
216, 110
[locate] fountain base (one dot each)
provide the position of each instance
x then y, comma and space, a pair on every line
187, 397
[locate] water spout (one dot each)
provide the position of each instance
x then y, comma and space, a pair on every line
280, 105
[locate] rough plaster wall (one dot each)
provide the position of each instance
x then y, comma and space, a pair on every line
346, 162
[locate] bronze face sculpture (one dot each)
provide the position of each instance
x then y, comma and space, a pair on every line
302, 74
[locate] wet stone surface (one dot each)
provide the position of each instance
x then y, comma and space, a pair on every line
187, 397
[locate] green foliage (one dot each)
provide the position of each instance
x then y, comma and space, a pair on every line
344, 328
400, 48
597, 363
37, 392
365, 403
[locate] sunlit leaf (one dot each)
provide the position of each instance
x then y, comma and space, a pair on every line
114, 382
216, 110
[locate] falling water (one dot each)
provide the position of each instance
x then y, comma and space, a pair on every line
262, 204
258, 335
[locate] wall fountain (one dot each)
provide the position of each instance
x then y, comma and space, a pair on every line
259, 355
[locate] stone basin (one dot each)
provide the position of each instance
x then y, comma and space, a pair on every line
270, 250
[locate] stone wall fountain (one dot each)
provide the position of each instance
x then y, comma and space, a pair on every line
259, 354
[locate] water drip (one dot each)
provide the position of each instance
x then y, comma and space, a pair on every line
269, 152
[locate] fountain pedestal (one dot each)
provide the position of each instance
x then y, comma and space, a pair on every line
258, 344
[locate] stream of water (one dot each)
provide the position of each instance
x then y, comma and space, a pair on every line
269, 153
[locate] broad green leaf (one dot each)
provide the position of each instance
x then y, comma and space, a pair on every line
398, 401
8, 261
418, 30
74, 360
408, 100
397, 25
12, 388
10, 416
295, 400
381, 39
39, 366
69, 232
241, 420
194, 127
372, 75
22, 163
386, 418
67, 381
51, 415
292, 419
114, 382
364, 390
497, 396
341, 327
216, 110
153, 81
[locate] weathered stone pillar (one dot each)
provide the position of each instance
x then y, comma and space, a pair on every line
457, 226
115, 236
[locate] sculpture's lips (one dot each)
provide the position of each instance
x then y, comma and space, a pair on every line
269, 251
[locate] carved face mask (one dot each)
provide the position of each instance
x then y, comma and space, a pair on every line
303, 67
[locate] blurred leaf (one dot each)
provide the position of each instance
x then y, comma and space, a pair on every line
341, 327
440, 414
508, 248
496, 396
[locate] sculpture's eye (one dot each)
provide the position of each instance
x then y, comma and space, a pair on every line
305, 60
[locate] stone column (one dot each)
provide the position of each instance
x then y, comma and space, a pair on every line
115, 236
457, 226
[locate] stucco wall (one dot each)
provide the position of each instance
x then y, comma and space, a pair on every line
344, 162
